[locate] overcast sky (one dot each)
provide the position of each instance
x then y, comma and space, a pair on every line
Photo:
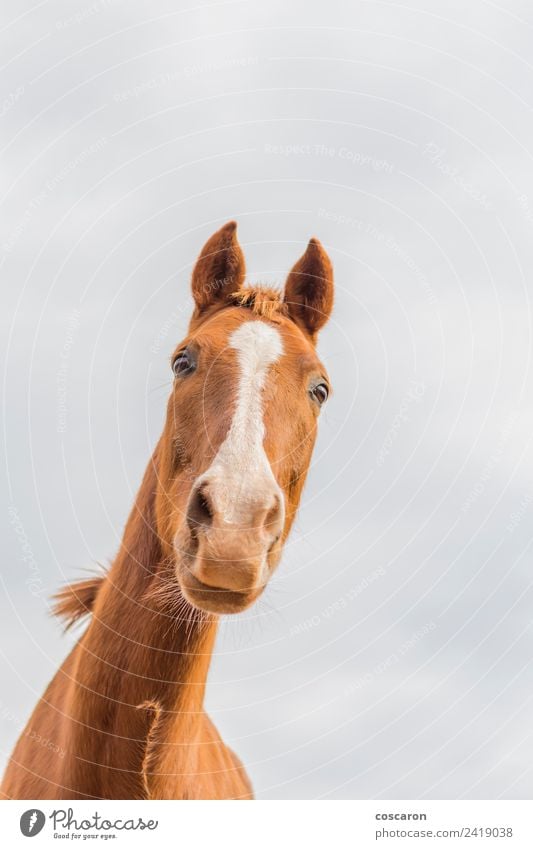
392, 654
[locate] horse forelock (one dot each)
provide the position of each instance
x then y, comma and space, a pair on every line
264, 301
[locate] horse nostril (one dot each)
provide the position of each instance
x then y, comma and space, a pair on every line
200, 511
273, 517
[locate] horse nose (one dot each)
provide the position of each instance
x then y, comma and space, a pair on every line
213, 506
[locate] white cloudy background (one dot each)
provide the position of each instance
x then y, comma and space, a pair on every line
392, 655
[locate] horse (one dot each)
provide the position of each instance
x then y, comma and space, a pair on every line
123, 717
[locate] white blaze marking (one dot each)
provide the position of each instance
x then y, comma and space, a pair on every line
240, 471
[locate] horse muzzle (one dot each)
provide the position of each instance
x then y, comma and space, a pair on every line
230, 553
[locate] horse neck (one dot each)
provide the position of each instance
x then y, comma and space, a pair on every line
141, 657
140, 619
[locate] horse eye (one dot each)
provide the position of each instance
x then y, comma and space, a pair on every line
320, 393
183, 363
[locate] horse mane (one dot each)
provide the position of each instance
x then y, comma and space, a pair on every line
264, 301
75, 601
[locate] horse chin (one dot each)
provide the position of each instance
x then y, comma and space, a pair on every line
216, 600
213, 599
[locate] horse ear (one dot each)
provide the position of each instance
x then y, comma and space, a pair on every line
220, 269
309, 289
